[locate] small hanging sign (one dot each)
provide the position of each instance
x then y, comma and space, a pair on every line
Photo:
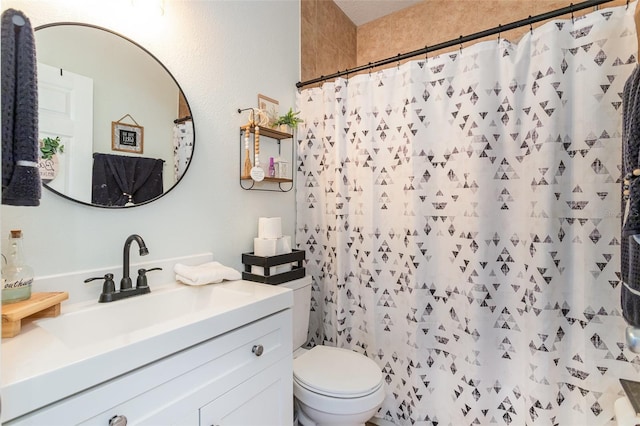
127, 137
48, 164
48, 168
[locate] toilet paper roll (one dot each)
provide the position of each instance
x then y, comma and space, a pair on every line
625, 414
257, 270
265, 246
283, 268
271, 247
283, 245
269, 227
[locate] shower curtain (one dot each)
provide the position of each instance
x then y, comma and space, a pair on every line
182, 148
461, 218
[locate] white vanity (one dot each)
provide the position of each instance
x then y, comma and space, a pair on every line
216, 354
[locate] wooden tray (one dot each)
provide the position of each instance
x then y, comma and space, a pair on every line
39, 305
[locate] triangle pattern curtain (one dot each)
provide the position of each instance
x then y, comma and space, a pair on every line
461, 219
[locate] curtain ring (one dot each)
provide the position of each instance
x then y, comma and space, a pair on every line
530, 25
399, 60
370, 67
572, 17
627, 4
461, 45
499, 31
426, 53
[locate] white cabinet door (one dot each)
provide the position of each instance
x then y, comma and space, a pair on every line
264, 400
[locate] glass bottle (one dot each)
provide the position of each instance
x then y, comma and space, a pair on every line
283, 169
17, 276
272, 168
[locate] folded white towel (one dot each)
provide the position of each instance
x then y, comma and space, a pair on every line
207, 273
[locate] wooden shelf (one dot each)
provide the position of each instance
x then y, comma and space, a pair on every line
274, 184
271, 133
269, 179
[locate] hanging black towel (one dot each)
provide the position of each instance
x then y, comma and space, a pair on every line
20, 175
119, 179
630, 248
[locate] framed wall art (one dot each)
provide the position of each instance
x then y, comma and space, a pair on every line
127, 137
270, 107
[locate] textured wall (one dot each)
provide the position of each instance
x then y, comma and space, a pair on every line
218, 52
435, 21
328, 39
327, 35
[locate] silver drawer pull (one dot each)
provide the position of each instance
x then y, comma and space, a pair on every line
118, 421
257, 350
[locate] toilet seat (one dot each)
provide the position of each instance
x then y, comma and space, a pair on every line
337, 373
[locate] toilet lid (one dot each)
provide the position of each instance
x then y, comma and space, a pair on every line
337, 372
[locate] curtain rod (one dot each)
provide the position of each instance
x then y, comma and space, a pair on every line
182, 119
462, 39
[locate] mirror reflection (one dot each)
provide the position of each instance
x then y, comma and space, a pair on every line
115, 128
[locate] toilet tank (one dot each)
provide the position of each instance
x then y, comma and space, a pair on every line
301, 307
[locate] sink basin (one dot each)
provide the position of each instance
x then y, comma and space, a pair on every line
129, 318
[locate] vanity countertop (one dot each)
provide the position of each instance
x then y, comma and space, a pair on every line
51, 359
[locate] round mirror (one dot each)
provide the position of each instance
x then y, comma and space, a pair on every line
115, 128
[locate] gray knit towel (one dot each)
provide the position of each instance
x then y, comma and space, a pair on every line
20, 176
629, 247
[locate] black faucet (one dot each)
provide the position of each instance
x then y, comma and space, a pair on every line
125, 282
109, 293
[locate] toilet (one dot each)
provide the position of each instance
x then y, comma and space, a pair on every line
331, 386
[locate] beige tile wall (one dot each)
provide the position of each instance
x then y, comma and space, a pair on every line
435, 21
331, 42
328, 39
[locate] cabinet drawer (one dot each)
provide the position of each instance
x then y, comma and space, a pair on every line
264, 400
171, 390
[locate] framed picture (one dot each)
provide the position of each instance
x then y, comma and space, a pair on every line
127, 137
270, 107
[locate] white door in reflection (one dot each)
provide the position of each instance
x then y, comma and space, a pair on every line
65, 106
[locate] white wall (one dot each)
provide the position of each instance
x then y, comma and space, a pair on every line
223, 53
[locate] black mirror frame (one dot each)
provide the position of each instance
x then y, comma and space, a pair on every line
83, 24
